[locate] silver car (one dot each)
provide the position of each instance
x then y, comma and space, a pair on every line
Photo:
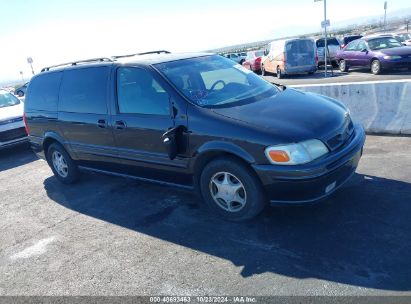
333, 47
12, 128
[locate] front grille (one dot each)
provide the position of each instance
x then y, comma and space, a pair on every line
12, 134
9, 121
343, 135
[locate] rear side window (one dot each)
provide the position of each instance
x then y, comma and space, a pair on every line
84, 90
43, 92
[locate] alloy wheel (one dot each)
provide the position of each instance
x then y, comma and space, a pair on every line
60, 164
228, 192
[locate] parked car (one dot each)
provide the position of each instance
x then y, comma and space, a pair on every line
348, 39
333, 46
377, 53
253, 61
404, 38
287, 57
235, 57
12, 130
21, 91
149, 117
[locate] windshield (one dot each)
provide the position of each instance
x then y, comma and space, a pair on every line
383, 43
8, 100
214, 81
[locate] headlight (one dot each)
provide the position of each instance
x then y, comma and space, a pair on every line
392, 57
296, 154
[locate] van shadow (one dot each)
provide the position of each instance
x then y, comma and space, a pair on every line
361, 236
16, 156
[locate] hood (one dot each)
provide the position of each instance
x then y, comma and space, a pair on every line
401, 51
11, 112
291, 114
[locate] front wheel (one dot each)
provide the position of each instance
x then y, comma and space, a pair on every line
61, 164
263, 72
343, 66
20, 94
376, 67
231, 190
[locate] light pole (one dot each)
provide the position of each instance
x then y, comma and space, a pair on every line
22, 77
324, 24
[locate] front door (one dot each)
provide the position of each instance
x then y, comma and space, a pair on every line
143, 113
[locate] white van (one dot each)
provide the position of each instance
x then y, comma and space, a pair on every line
290, 56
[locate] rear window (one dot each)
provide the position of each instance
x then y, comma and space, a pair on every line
43, 92
84, 91
330, 41
351, 38
259, 54
300, 46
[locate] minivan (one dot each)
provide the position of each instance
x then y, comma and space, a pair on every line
291, 56
198, 121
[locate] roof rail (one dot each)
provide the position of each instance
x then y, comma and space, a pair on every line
102, 59
138, 54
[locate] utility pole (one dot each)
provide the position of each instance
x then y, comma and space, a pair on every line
22, 77
385, 15
325, 40
324, 24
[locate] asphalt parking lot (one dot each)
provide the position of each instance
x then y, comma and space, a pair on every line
113, 236
355, 75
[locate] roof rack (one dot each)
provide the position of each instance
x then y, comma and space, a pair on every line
102, 59
138, 54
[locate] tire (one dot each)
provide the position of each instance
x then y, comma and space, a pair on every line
232, 179
376, 67
263, 72
20, 94
67, 165
279, 74
343, 66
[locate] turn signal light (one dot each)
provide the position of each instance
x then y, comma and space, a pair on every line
279, 156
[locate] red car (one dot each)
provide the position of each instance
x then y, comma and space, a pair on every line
253, 61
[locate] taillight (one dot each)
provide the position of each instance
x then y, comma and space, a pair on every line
258, 60
25, 124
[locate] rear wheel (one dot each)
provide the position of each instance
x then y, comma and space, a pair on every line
343, 66
279, 73
231, 190
376, 67
61, 164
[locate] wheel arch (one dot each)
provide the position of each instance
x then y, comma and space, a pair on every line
214, 150
52, 137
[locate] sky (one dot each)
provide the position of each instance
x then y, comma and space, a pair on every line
56, 31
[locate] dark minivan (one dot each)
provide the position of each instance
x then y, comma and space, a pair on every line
198, 121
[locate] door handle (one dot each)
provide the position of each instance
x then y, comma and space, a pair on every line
101, 123
120, 125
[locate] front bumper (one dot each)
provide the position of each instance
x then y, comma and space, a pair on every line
396, 64
314, 181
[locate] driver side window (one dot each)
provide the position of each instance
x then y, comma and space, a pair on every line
139, 93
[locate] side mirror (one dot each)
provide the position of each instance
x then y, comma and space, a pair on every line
169, 139
265, 53
364, 51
